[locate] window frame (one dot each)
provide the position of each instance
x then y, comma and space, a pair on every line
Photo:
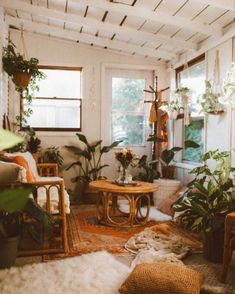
179, 69
49, 129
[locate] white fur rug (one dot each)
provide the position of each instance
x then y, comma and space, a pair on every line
95, 273
154, 214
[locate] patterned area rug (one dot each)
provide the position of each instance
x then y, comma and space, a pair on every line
86, 234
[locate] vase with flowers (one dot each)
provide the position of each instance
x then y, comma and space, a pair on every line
126, 157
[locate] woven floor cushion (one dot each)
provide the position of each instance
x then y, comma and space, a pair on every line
162, 278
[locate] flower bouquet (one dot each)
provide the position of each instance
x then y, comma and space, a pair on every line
126, 157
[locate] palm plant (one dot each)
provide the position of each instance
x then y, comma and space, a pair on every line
89, 161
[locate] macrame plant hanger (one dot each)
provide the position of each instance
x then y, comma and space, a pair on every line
185, 99
216, 84
24, 54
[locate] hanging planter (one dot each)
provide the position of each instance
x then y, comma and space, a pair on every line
21, 79
24, 73
184, 94
210, 101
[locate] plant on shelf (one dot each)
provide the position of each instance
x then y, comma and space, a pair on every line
15, 206
52, 155
24, 73
89, 160
182, 90
209, 197
210, 101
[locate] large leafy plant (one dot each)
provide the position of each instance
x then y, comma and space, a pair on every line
209, 197
148, 170
89, 158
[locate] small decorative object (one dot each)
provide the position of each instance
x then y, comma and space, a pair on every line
210, 101
229, 88
184, 94
125, 157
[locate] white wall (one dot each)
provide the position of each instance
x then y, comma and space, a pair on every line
51, 51
3, 76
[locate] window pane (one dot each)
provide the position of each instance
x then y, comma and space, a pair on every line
56, 113
194, 132
128, 110
194, 79
127, 94
129, 128
60, 83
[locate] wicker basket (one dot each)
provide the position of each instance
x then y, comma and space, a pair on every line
21, 79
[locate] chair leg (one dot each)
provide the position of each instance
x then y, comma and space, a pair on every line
226, 256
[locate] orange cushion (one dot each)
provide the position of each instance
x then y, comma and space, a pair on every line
22, 162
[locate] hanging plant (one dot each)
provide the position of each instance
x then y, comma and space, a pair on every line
229, 88
184, 94
173, 108
24, 73
210, 101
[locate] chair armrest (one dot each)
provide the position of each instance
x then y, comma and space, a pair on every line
48, 169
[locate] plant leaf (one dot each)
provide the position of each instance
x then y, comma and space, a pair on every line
8, 140
190, 144
14, 199
106, 149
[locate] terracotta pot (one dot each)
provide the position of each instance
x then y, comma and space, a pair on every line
213, 246
168, 172
90, 195
21, 79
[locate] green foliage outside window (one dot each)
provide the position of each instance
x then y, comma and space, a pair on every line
128, 110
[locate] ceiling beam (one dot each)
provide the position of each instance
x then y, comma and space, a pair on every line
156, 16
86, 38
223, 4
97, 24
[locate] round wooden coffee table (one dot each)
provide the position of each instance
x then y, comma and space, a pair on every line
107, 208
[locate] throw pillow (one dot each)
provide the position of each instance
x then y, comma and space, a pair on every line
22, 162
165, 206
8, 173
162, 278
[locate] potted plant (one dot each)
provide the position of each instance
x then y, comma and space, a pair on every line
15, 206
33, 144
229, 88
204, 205
24, 73
52, 155
210, 101
150, 170
89, 163
167, 157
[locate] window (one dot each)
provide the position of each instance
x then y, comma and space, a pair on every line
57, 106
128, 115
194, 77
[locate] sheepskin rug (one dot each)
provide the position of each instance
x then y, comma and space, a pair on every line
154, 214
92, 273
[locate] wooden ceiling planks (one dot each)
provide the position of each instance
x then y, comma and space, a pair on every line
199, 11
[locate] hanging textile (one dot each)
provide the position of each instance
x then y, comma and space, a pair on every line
152, 114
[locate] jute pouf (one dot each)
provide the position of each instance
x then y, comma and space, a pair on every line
162, 278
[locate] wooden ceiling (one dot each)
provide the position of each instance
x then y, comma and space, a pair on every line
161, 29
